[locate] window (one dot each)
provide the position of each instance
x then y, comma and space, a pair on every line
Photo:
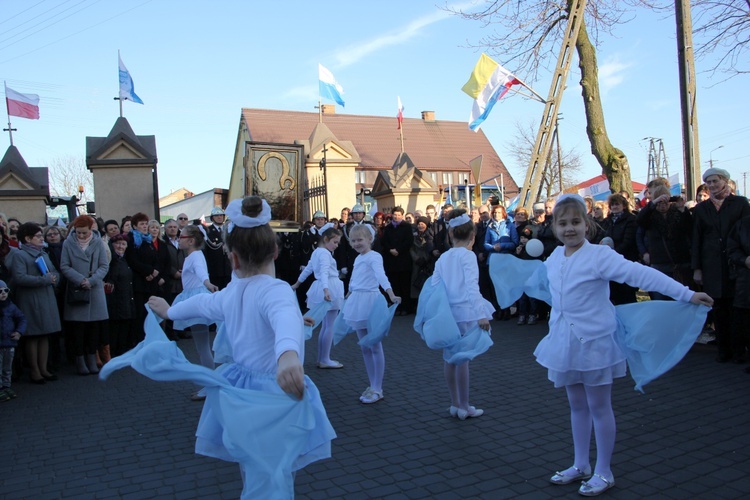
359, 177
463, 177
434, 176
447, 177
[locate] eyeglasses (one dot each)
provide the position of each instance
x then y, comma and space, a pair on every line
4, 290
182, 218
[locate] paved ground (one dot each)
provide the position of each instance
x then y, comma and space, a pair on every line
687, 437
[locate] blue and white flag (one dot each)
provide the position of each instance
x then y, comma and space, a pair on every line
329, 87
127, 90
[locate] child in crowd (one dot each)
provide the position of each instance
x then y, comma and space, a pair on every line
580, 351
264, 327
327, 286
364, 296
12, 326
458, 270
195, 281
527, 306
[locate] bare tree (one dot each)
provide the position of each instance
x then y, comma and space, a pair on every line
67, 174
570, 164
528, 34
722, 27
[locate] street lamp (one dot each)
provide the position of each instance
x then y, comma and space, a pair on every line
710, 156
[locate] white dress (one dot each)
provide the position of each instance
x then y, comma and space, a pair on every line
263, 321
580, 346
458, 270
194, 274
323, 266
364, 294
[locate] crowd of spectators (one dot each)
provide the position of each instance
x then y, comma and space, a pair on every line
82, 287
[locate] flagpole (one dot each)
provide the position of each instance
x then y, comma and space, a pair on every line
119, 100
534, 97
7, 109
401, 136
541, 99
320, 110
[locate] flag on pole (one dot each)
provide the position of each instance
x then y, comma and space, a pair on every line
127, 90
328, 86
400, 115
487, 84
22, 105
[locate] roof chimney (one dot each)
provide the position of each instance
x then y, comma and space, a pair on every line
329, 109
428, 116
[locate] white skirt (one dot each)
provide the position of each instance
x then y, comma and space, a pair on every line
316, 295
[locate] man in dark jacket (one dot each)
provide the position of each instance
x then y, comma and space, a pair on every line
357, 216
395, 244
219, 269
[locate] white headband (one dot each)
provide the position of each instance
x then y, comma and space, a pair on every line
236, 218
326, 227
458, 221
203, 230
369, 228
573, 196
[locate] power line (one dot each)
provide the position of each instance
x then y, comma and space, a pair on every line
22, 12
49, 25
76, 33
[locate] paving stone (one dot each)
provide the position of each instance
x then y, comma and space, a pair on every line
130, 437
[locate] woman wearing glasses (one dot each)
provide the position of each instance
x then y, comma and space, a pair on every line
35, 296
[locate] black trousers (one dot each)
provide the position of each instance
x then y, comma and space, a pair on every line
85, 336
401, 284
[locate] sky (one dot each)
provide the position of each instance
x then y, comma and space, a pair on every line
196, 64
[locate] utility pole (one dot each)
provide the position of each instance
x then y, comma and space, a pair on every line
688, 101
657, 160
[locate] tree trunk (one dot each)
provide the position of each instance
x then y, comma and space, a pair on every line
613, 161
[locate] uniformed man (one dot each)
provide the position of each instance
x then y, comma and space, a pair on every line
219, 268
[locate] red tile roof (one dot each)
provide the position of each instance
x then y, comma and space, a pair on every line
440, 145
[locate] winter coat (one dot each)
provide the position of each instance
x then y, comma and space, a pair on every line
35, 294
401, 239
710, 232
77, 265
622, 231
738, 250
143, 260
11, 320
668, 236
176, 260
502, 232
120, 303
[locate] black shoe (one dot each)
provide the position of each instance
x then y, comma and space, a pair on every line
50, 378
723, 358
39, 381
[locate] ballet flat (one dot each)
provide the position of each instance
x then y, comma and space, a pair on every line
563, 478
470, 413
588, 490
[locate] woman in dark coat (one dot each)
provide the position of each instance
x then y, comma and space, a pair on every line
53, 237
148, 276
668, 231
35, 297
621, 225
84, 264
713, 219
120, 303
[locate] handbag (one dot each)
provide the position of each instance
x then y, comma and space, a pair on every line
76, 294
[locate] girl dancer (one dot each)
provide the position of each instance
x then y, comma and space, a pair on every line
364, 295
194, 281
265, 330
458, 270
327, 286
580, 351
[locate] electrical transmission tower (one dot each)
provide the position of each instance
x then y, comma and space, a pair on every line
657, 159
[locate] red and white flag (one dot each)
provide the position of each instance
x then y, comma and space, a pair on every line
400, 115
23, 105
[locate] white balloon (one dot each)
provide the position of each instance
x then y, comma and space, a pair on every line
534, 247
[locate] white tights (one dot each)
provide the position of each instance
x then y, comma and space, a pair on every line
592, 404
374, 362
325, 337
202, 340
457, 378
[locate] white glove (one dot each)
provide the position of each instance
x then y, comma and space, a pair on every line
344, 271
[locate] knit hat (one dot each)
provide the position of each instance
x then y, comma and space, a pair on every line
715, 171
426, 220
3, 284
